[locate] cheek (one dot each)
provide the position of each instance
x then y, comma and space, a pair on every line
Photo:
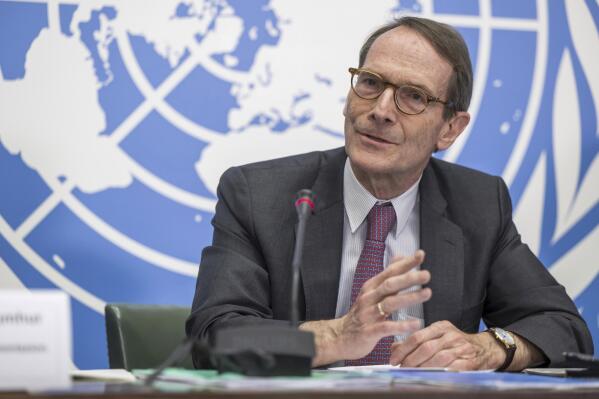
349, 111
425, 135
351, 114
357, 109
348, 99
349, 133
347, 128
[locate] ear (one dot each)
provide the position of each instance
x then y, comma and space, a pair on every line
452, 129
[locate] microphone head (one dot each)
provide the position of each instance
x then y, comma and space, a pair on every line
304, 197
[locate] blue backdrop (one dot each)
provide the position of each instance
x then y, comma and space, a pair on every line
117, 120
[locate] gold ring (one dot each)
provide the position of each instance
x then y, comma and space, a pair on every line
380, 308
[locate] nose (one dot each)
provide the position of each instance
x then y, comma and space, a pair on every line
384, 111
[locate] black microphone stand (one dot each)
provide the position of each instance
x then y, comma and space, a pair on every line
272, 350
260, 350
304, 206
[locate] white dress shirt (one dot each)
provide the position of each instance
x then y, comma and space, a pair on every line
403, 239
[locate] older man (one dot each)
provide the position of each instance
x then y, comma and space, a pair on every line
405, 253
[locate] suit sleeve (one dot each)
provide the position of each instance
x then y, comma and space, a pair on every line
232, 287
524, 298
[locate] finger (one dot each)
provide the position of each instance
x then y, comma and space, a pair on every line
402, 349
396, 258
388, 328
426, 351
395, 287
394, 284
463, 350
371, 334
442, 358
399, 267
404, 300
377, 311
451, 339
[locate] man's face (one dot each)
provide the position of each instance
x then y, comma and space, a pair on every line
380, 140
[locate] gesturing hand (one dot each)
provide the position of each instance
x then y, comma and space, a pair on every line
443, 345
354, 335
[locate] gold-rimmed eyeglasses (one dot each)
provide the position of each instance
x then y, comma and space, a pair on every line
409, 99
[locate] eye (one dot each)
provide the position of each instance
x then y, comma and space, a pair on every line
415, 95
367, 79
412, 95
371, 81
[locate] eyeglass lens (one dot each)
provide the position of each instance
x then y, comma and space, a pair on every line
407, 98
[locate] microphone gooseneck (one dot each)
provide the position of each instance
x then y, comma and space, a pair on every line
260, 349
304, 205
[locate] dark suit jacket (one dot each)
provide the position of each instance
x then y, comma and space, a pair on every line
478, 264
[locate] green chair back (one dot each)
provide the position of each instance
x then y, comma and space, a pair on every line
143, 336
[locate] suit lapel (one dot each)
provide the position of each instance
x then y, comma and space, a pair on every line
321, 263
443, 243
441, 239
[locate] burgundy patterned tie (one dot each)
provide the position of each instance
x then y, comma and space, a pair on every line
380, 221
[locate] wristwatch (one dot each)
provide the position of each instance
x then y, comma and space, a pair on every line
507, 342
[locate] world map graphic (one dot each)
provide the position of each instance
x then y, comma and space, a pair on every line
118, 118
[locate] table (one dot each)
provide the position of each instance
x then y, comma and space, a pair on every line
129, 391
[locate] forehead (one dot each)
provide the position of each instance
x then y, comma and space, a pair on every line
402, 55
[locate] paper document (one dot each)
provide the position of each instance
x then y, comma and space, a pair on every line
319, 380
106, 375
386, 367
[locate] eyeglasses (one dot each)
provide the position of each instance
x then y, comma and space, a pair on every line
409, 99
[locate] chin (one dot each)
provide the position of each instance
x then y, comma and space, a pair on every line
371, 163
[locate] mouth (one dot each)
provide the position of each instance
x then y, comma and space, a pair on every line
374, 138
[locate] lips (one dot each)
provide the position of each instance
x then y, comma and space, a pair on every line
375, 138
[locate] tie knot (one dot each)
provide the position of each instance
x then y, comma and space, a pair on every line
381, 219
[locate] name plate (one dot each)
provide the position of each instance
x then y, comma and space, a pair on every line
35, 340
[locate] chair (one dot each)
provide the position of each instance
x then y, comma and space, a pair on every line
142, 336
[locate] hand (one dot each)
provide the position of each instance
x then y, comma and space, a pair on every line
443, 345
355, 335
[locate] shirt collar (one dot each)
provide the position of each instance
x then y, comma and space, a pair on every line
358, 201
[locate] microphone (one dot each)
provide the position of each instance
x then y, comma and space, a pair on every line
304, 205
260, 350
266, 350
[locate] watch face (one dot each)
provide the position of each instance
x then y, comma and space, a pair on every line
505, 336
